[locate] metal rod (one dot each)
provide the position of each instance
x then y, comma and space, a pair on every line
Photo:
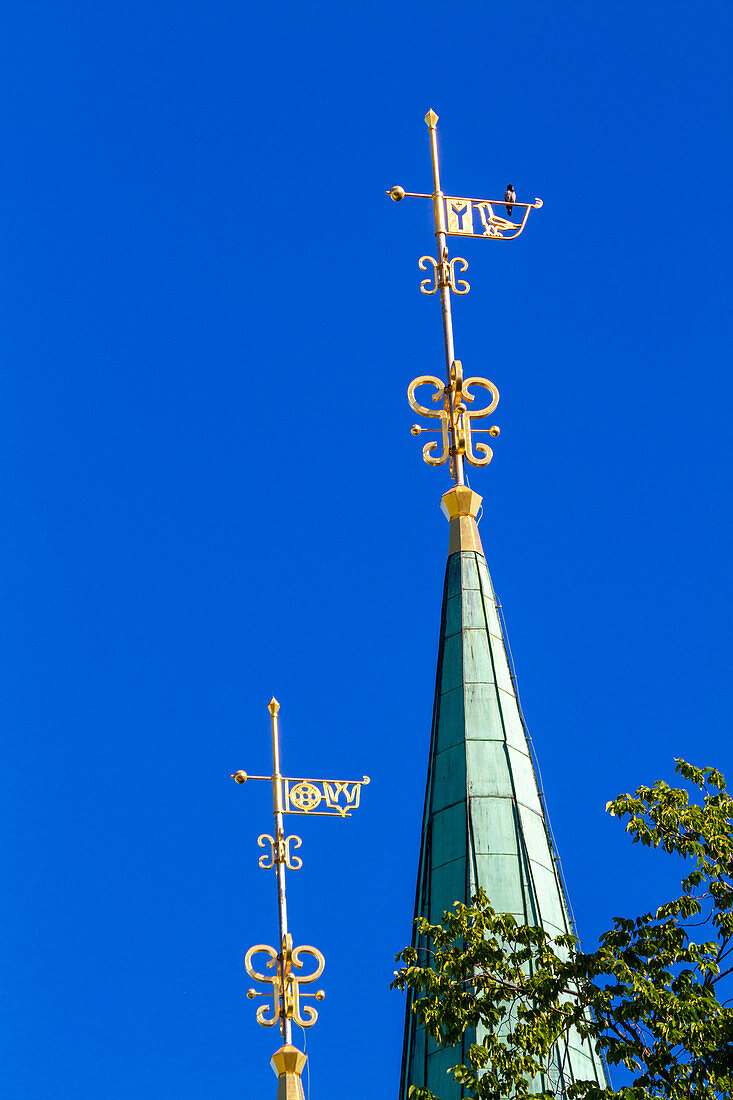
316, 813
440, 236
282, 908
300, 778
464, 198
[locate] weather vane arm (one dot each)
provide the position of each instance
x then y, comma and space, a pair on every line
398, 193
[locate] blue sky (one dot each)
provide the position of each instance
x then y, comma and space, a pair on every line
210, 491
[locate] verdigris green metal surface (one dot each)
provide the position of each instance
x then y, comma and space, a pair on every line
483, 823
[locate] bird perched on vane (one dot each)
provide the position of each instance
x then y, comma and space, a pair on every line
510, 197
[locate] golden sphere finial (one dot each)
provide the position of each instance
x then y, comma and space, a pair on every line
415, 429
493, 430
397, 193
239, 777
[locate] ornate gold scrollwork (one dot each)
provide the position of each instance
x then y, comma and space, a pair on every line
428, 451
477, 414
425, 285
455, 417
285, 984
444, 274
456, 284
280, 852
273, 980
307, 1015
268, 859
294, 863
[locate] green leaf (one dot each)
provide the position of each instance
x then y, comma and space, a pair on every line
647, 998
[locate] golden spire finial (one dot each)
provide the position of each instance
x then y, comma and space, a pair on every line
454, 217
288, 1064
319, 798
461, 506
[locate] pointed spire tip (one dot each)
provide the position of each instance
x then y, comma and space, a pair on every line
273, 706
431, 119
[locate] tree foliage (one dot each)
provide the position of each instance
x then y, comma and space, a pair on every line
648, 998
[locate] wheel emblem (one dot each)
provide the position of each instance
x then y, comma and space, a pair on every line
305, 797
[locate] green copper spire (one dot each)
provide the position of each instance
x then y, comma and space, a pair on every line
484, 824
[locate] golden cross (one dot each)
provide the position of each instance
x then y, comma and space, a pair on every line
454, 217
292, 796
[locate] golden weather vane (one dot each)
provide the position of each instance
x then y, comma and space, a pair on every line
313, 798
455, 217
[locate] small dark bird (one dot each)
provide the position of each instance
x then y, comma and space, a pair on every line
510, 196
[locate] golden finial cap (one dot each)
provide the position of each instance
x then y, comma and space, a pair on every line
431, 118
460, 501
288, 1059
273, 706
461, 506
288, 1063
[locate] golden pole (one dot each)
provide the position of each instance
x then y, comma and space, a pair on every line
454, 217
282, 908
291, 795
443, 270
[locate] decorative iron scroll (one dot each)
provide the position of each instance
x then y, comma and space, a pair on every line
286, 992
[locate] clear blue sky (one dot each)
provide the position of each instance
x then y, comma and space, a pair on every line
210, 491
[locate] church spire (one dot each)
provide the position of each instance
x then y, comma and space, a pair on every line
484, 823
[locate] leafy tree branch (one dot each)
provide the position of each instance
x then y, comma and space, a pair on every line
646, 998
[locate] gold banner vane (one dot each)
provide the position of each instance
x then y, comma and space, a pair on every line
290, 795
456, 216
303, 796
459, 215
